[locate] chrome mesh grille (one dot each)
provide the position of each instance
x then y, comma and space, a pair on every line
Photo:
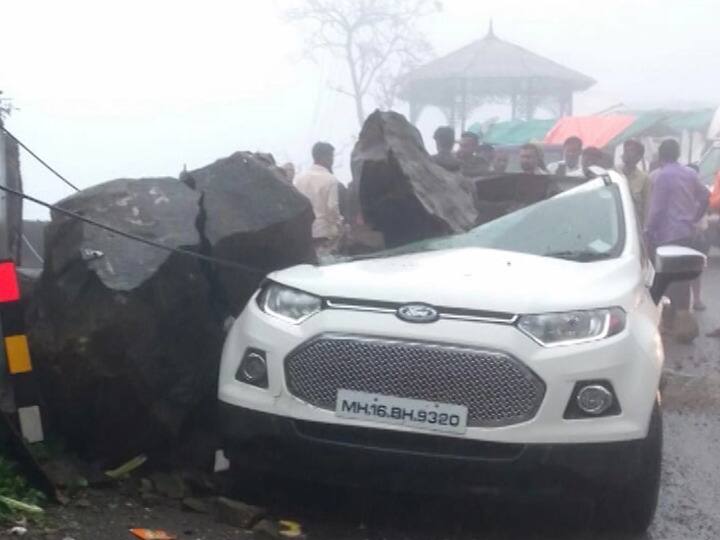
497, 389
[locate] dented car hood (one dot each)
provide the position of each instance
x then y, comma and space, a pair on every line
473, 278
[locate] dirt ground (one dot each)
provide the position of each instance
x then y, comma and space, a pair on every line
689, 501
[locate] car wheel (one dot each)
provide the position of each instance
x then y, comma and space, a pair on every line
631, 507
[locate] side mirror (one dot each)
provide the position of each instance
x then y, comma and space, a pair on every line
675, 263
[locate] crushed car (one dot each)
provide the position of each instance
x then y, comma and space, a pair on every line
523, 352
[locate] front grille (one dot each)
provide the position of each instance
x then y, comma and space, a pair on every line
497, 389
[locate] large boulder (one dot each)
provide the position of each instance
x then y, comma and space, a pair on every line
124, 336
251, 216
127, 336
401, 191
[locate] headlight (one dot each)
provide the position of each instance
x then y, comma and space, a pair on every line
553, 329
290, 305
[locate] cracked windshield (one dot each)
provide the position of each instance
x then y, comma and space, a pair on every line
359, 270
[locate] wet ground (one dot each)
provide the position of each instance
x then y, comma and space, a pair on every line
689, 500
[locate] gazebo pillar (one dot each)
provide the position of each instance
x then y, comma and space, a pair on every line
416, 110
463, 105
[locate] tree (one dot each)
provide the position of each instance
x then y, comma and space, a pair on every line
378, 40
6, 106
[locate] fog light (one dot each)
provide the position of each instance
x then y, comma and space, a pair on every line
253, 368
594, 399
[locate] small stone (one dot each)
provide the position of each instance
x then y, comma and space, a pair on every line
195, 505
266, 529
146, 485
238, 514
151, 499
169, 485
18, 531
82, 503
72, 526
199, 482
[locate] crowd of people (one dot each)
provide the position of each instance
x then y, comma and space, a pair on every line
670, 201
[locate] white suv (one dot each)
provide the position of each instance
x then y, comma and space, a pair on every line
525, 351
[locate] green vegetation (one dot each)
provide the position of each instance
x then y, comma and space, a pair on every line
17, 498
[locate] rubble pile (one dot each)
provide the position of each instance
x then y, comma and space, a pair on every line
127, 337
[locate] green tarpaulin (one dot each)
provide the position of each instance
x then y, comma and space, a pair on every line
515, 131
663, 123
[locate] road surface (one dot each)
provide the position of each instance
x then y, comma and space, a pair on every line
689, 501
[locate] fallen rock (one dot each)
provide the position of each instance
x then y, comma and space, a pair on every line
401, 191
238, 514
126, 337
251, 216
123, 334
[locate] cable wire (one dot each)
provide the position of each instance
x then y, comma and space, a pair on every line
33, 154
73, 215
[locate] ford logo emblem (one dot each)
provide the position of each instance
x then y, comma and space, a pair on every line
418, 313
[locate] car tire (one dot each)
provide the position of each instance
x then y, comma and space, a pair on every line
630, 507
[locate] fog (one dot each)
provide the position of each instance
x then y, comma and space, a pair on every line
128, 89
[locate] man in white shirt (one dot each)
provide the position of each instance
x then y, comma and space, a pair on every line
320, 186
570, 165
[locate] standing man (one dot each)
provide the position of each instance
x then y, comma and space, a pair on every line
592, 157
445, 142
501, 162
677, 203
472, 164
531, 159
486, 152
320, 186
570, 165
638, 181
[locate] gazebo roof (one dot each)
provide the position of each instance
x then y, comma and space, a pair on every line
493, 66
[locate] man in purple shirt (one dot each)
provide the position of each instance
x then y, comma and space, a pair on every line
678, 201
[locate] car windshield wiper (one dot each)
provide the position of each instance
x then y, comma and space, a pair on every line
579, 256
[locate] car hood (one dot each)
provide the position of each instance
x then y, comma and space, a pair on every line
472, 278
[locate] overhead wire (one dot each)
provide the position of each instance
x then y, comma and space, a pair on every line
131, 236
109, 228
33, 154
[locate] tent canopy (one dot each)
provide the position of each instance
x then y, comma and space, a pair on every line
593, 130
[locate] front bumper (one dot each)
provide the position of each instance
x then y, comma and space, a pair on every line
395, 460
630, 361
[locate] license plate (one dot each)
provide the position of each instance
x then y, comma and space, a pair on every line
414, 413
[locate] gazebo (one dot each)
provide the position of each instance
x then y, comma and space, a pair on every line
491, 70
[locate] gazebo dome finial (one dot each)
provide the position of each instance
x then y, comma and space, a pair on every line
491, 30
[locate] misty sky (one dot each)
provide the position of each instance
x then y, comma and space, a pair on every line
108, 89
